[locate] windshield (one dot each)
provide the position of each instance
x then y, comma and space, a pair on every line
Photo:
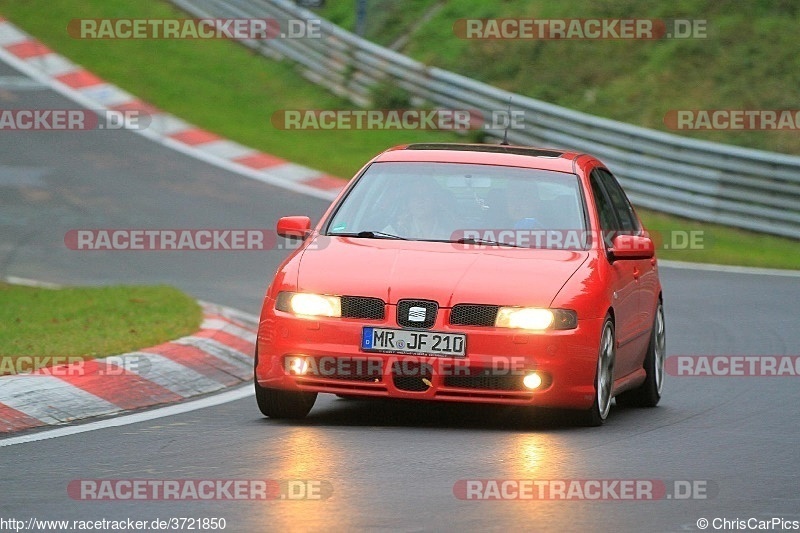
467, 203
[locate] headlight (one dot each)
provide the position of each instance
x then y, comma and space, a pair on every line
535, 318
307, 304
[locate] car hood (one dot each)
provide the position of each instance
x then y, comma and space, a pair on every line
448, 273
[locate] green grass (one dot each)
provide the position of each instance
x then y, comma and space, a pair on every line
91, 322
387, 20
225, 88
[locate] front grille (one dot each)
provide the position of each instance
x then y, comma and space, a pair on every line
416, 313
486, 382
474, 314
411, 376
363, 307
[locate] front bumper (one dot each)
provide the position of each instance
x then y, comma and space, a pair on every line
492, 371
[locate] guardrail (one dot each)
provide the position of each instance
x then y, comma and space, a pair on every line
707, 181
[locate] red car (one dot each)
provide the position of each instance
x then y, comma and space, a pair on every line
468, 273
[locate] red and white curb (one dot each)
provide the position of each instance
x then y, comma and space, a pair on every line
218, 356
33, 58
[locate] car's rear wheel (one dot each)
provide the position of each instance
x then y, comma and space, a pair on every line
648, 393
604, 377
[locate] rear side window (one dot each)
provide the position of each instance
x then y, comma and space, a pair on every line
605, 210
628, 224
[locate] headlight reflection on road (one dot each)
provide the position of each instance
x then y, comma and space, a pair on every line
307, 453
543, 456
305, 467
531, 455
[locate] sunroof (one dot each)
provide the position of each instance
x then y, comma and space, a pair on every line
491, 148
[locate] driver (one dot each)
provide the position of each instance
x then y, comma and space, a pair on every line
422, 212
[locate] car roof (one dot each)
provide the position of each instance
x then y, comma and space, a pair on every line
485, 154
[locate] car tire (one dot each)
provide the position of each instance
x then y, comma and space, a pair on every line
648, 393
604, 377
276, 403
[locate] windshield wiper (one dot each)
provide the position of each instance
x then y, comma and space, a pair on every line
369, 235
472, 240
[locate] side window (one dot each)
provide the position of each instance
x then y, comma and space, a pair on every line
609, 225
629, 225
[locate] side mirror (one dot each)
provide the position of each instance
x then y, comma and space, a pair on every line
632, 247
296, 227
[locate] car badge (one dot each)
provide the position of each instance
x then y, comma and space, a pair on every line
416, 314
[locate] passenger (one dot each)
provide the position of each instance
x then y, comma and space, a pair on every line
522, 200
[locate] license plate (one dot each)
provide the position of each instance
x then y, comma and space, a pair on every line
414, 342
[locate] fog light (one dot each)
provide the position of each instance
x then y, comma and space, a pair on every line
297, 365
532, 381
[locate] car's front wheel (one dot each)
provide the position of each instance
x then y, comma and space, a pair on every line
277, 403
649, 393
604, 377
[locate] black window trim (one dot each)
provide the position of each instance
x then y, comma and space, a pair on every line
638, 229
595, 173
